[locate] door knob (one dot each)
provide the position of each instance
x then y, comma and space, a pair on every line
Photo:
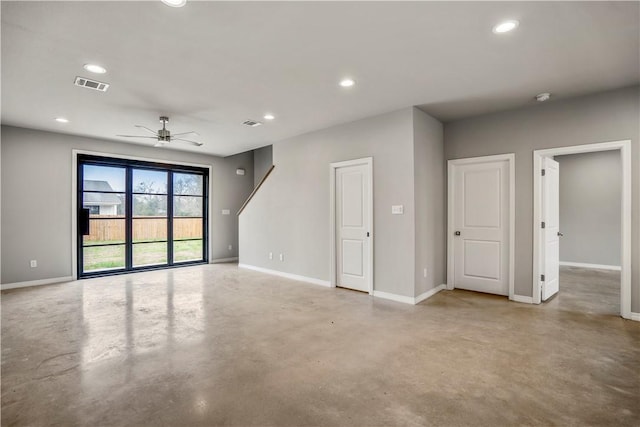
457, 233
560, 234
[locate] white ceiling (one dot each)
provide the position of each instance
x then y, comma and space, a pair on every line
211, 65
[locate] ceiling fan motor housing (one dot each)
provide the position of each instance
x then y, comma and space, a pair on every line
164, 135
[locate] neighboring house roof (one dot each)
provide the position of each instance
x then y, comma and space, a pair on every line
99, 198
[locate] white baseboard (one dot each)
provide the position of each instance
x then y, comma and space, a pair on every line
409, 300
222, 260
35, 282
635, 316
429, 294
297, 277
585, 265
523, 299
394, 297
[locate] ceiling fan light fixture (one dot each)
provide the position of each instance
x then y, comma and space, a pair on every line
175, 3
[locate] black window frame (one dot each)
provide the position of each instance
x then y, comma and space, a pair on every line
129, 165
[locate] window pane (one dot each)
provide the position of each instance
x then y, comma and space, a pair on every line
149, 229
187, 228
187, 206
103, 204
187, 183
149, 181
103, 178
97, 258
150, 205
149, 254
187, 250
105, 231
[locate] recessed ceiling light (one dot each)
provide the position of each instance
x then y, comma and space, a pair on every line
269, 117
541, 97
175, 3
347, 82
61, 120
506, 26
95, 68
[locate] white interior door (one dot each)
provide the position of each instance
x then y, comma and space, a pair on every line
352, 216
551, 231
481, 220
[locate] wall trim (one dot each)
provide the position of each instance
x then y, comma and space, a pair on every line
394, 297
39, 282
522, 299
409, 300
635, 316
586, 265
222, 260
297, 277
428, 294
626, 210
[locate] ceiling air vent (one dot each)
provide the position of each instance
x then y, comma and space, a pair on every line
252, 123
91, 84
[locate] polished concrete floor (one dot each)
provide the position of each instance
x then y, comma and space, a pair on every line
214, 345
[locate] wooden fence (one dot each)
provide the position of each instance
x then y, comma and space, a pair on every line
112, 229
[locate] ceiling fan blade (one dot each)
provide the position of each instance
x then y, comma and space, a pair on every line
138, 136
147, 129
185, 133
197, 144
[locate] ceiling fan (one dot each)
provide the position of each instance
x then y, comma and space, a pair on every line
163, 135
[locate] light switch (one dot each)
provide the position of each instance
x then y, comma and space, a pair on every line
226, 212
397, 209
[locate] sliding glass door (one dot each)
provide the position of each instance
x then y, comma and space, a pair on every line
136, 215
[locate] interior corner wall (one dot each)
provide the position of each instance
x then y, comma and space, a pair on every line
430, 202
36, 198
262, 161
602, 117
290, 213
590, 207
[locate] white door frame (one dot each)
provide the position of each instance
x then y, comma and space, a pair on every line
367, 161
451, 165
74, 193
625, 152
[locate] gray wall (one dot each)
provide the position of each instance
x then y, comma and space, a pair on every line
608, 116
430, 201
262, 161
290, 213
590, 207
36, 198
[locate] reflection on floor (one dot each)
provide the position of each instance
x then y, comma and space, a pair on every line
214, 345
589, 291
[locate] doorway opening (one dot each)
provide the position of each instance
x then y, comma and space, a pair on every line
548, 273
136, 215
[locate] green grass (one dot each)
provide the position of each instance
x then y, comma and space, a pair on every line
112, 257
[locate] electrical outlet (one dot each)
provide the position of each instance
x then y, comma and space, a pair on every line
425, 272
281, 257
230, 247
33, 263
270, 255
